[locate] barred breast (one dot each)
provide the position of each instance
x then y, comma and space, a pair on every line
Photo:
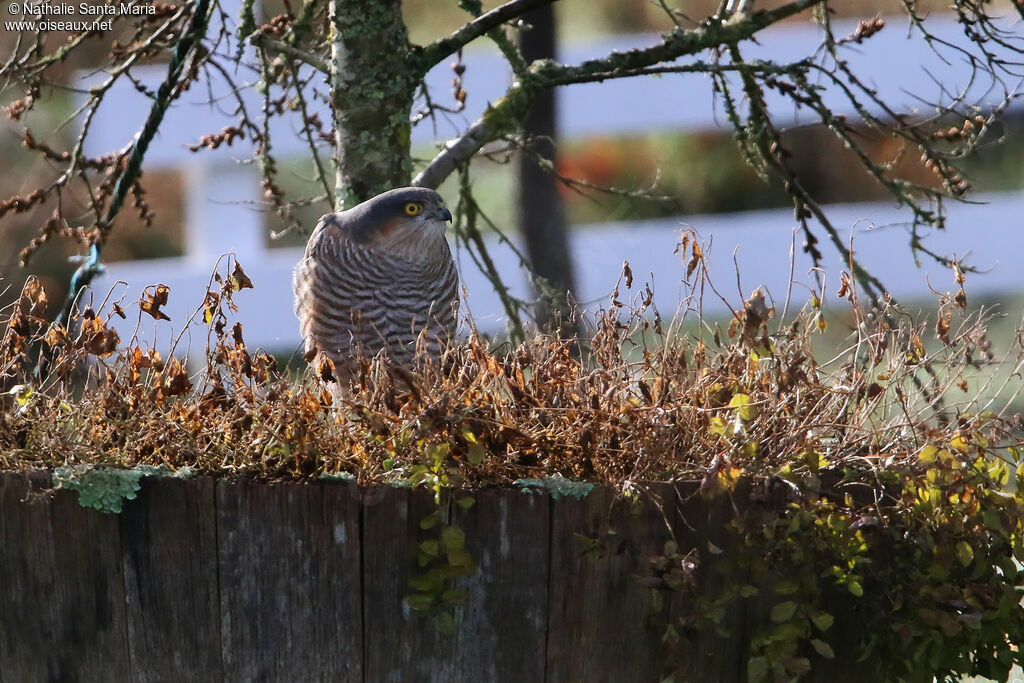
354, 299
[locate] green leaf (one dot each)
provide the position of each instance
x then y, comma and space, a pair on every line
430, 520
445, 623
431, 582
475, 453
431, 547
757, 669
748, 591
855, 588
964, 553
466, 502
783, 611
823, 648
453, 538
420, 603
823, 621
460, 558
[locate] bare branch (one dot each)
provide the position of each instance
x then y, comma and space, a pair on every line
498, 119
425, 57
675, 44
504, 115
273, 45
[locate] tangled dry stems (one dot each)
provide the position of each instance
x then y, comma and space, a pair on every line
640, 403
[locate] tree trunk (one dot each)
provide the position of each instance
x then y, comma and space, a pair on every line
541, 209
372, 93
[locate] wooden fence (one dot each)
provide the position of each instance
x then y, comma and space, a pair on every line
233, 580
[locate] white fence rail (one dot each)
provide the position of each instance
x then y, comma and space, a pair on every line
222, 212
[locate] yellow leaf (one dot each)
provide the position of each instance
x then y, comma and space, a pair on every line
959, 443
742, 404
928, 454
721, 427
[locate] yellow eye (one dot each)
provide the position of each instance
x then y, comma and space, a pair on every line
412, 208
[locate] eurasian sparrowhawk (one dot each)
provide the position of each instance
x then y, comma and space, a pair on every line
378, 276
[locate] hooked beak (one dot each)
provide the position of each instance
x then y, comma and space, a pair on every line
443, 214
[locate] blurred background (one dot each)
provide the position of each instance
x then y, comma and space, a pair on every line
663, 143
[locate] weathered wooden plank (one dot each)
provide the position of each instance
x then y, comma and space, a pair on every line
169, 555
289, 564
89, 589
600, 624
28, 616
500, 632
62, 588
700, 527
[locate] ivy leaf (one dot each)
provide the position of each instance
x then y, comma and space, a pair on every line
743, 406
964, 553
454, 538
823, 648
959, 443
823, 621
430, 582
855, 588
445, 623
430, 520
928, 454
757, 669
460, 558
475, 453
420, 603
783, 611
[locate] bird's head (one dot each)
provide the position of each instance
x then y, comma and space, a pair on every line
409, 217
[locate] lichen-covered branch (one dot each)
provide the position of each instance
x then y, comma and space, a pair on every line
501, 117
272, 45
678, 43
505, 116
425, 57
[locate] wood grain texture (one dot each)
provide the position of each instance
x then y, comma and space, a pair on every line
500, 633
289, 581
169, 555
28, 617
600, 617
63, 590
236, 580
699, 525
